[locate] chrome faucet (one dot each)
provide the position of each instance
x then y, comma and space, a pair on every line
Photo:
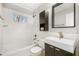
60, 35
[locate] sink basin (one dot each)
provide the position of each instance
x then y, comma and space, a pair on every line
62, 40
65, 44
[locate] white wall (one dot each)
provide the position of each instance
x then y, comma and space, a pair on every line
0, 39
77, 43
0, 8
16, 35
0, 30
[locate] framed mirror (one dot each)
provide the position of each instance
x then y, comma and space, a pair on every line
63, 15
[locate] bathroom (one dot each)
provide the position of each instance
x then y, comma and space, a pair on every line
27, 29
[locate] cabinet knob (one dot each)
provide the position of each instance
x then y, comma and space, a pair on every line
57, 49
51, 47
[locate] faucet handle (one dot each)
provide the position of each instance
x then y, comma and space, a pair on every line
61, 34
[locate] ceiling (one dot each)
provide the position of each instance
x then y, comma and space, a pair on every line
29, 6
23, 7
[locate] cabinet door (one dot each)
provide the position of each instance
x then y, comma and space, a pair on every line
43, 21
58, 52
65, 53
49, 50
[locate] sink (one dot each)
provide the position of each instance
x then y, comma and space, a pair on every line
63, 43
62, 40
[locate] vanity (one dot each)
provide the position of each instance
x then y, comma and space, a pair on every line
55, 51
55, 46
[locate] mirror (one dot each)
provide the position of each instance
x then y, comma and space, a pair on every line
63, 15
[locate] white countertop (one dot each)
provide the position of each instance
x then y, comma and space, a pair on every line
65, 44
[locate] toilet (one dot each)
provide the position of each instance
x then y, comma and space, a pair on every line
36, 51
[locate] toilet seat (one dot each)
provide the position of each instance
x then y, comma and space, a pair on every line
36, 50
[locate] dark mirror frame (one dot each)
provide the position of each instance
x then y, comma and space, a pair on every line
58, 4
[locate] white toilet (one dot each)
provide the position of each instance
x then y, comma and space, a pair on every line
36, 51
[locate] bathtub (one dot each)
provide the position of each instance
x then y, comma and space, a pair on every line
20, 52
25, 51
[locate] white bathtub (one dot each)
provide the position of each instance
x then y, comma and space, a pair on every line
24, 51
21, 52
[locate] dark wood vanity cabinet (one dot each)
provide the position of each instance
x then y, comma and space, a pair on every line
49, 50
58, 52
54, 51
43, 21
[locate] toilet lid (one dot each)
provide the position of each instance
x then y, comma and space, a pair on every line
36, 49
